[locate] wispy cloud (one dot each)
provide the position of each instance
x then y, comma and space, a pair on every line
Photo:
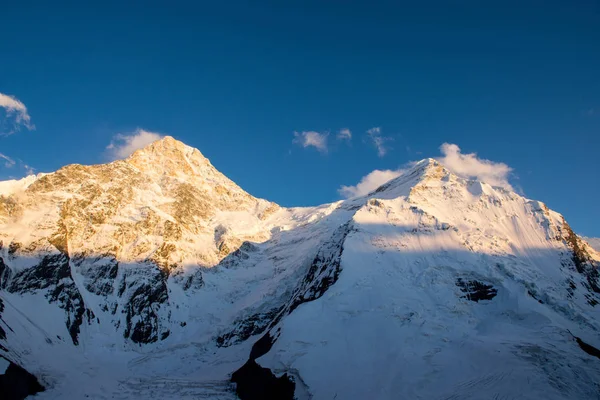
369, 182
18, 167
472, 167
16, 113
344, 134
29, 170
123, 145
379, 141
311, 139
8, 162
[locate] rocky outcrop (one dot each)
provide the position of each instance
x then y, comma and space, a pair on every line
118, 232
583, 263
143, 292
475, 290
52, 276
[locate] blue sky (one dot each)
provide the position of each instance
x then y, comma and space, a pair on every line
514, 82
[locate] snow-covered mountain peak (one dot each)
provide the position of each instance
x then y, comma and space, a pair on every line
16, 185
171, 157
421, 173
429, 178
160, 266
164, 204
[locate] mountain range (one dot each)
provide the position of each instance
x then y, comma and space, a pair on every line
158, 277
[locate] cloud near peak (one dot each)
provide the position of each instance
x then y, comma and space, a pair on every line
123, 145
312, 139
369, 182
468, 166
15, 111
472, 167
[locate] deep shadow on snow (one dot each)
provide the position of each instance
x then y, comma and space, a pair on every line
588, 348
255, 382
16, 383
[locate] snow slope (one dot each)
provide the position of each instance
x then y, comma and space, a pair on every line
395, 324
158, 277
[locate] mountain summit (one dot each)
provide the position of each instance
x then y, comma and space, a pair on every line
172, 157
156, 275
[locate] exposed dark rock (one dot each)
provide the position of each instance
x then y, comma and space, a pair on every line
322, 273
54, 274
591, 300
591, 350
13, 247
49, 272
193, 281
2, 332
476, 291
5, 274
99, 273
582, 261
245, 328
571, 288
235, 257
16, 383
534, 295
144, 291
324, 270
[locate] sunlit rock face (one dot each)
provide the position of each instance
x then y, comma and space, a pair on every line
121, 230
158, 276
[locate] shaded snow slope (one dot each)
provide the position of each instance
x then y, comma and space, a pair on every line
397, 323
156, 275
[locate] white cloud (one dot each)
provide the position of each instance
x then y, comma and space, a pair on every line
472, 167
123, 146
8, 162
344, 134
369, 182
311, 138
17, 166
465, 165
15, 110
28, 169
379, 141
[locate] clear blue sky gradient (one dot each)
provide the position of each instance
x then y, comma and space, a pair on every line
514, 81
